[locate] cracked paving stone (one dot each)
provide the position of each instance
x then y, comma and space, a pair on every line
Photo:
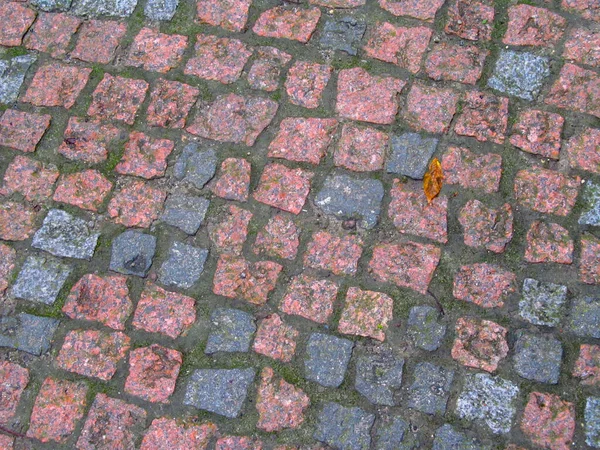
348, 197
31, 178
183, 266
294, 23
65, 235
538, 357
8, 256
378, 375
98, 41
96, 8
449, 438
491, 400
343, 34
584, 319
132, 253
548, 421
275, 339
410, 155
520, 74
16, 20
170, 433
344, 428
548, 242
40, 280
425, 328
430, 389
219, 391
231, 16
279, 238
231, 331
538, 132
486, 285
195, 166
479, 343
471, 170
160, 9
310, 298
592, 421
28, 333
12, 74
13, 381
327, 359
21, 130
542, 303
234, 180
366, 313
591, 200
186, 212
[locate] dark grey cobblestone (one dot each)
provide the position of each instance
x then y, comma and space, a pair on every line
410, 155
231, 331
344, 34
538, 357
327, 359
378, 375
132, 253
184, 265
592, 422
430, 389
185, 212
28, 333
195, 166
393, 434
344, 428
41, 279
584, 319
542, 303
424, 329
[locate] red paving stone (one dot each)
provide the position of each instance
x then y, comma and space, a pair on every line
530, 25
275, 339
236, 277
234, 180
471, 170
238, 443
229, 235
582, 47
538, 132
137, 204
16, 20
483, 226
58, 408
231, 16
118, 98
17, 221
361, 149
305, 83
98, 40
430, 108
86, 190
412, 214
13, 381
233, 118
366, 313
479, 343
170, 104
283, 188
93, 353
52, 33
266, 69
589, 264
145, 156
546, 191
160, 311
576, 89
8, 256
32, 179
21, 130
339, 255
471, 19
6, 442
295, 23
303, 139
587, 366
548, 242
398, 45
279, 404
462, 63
486, 285
153, 372
484, 117
338, 3
218, 59
88, 141
279, 238
56, 84
111, 424
419, 9
370, 98
407, 264
172, 434
100, 299
548, 421
156, 51
588, 9
583, 150
310, 297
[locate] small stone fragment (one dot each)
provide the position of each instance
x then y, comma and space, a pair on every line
542, 303
430, 389
132, 253
327, 359
40, 280
183, 266
231, 331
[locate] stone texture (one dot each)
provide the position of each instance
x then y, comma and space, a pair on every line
582, 46
548, 242
218, 59
16, 20
275, 339
17, 221
96, 8
430, 389
32, 179
538, 132
546, 191
170, 433
361, 149
592, 421
118, 98
183, 266
305, 83
56, 84
538, 357
392, 434
583, 150
378, 375
591, 204
548, 421
486, 227
410, 155
88, 141
462, 63
21, 130
156, 51
366, 313
234, 180
229, 234
486, 285
28, 333
484, 117
224, 14
86, 190
52, 5
587, 366
231, 331
170, 103
542, 303
8, 256
160, 9
430, 108
449, 438
585, 317
52, 33
132, 253
136, 204
471, 170
344, 428
520, 74
419, 9
13, 381
40, 279
343, 34
310, 298
293, 23
98, 41
425, 328
479, 343
327, 359
283, 188
186, 212
576, 89
12, 74
589, 264
339, 255
266, 68
587, 8
279, 238
194, 166
530, 25
238, 443
469, 19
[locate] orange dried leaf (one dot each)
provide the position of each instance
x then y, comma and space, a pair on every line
432, 181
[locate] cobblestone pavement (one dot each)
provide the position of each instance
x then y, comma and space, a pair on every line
214, 234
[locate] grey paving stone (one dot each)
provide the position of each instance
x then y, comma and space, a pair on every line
489, 399
183, 266
327, 359
344, 428
351, 198
584, 319
424, 327
538, 357
160, 9
12, 74
41, 279
132, 253
231, 331
194, 166
542, 303
393, 434
220, 391
96, 8
430, 389
448, 438
52, 5
65, 235
378, 375
591, 199
31, 334
592, 422
344, 34
520, 74
185, 212
410, 155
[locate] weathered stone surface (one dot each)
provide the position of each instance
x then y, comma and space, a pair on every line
275, 339
546, 191
327, 359
430, 389
160, 9
183, 266
584, 319
343, 34
479, 343
424, 327
449, 438
21, 130
234, 180
185, 212
548, 421
529, 25
378, 375
132, 253
410, 155
12, 74
430, 108
310, 298
366, 313
392, 434
538, 132
592, 421
484, 117
520, 74
172, 434
231, 331
591, 200
470, 19
548, 242
8, 256
13, 381
194, 166
279, 238
486, 285
587, 366
589, 262
219, 391
96, 8
538, 357
338, 254
542, 303
471, 170
52, 5
486, 227
577, 89
98, 40
31, 334
41, 279
295, 23
344, 428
